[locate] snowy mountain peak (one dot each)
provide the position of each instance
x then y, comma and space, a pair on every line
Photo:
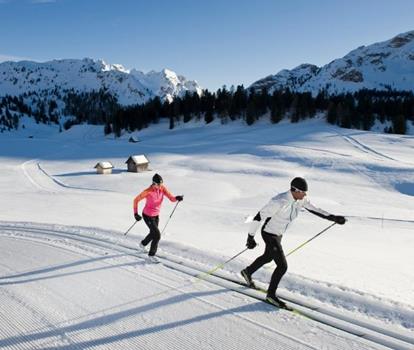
383, 66
86, 75
167, 83
169, 74
116, 67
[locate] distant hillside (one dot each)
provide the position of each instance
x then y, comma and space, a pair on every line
70, 91
387, 65
56, 77
370, 87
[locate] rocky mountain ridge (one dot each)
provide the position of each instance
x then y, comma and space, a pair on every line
387, 65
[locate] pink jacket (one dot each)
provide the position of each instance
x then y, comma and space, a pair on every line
154, 196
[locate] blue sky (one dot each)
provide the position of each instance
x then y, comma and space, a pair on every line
215, 42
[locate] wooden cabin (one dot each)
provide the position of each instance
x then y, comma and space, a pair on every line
137, 164
104, 168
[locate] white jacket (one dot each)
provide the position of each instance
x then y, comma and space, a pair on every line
280, 212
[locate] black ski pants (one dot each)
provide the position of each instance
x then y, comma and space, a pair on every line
154, 235
273, 251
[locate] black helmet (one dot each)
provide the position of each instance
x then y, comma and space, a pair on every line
299, 183
157, 179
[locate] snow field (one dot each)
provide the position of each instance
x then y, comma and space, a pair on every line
226, 172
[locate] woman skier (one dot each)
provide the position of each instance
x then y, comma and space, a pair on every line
154, 196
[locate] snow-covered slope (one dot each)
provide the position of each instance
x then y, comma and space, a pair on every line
69, 280
383, 66
130, 87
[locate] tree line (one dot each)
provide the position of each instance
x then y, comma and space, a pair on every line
359, 110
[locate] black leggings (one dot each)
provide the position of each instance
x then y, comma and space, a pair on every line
154, 235
273, 251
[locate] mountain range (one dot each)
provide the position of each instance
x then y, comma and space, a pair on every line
86, 75
74, 91
387, 65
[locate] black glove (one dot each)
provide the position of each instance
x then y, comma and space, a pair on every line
137, 216
251, 243
179, 198
337, 218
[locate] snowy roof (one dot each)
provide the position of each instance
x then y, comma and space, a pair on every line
138, 159
133, 139
104, 165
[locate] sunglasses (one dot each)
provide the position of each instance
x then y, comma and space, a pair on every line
298, 190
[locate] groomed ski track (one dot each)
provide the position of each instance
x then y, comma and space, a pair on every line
355, 333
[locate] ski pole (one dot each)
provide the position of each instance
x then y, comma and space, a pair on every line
220, 266
310, 239
130, 228
169, 218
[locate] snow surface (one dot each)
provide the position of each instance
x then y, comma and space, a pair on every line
62, 293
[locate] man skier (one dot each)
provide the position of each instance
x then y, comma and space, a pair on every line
277, 215
154, 196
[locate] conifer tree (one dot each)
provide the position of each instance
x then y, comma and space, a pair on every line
276, 113
208, 117
171, 122
238, 103
187, 108
399, 124
107, 128
332, 114
294, 109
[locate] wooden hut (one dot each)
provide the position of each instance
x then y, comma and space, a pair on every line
104, 168
137, 164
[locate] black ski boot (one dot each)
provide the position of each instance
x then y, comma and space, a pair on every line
274, 300
248, 278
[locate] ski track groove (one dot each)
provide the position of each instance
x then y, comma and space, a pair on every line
24, 323
23, 166
247, 319
63, 185
180, 290
40, 230
369, 150
52, 330
365, 149
58, 337
40, 317
84, 239
60, 188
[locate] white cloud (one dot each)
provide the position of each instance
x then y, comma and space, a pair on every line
4, 58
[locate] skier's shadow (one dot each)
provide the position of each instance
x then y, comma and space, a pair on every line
21, 277
108, 319
90, 173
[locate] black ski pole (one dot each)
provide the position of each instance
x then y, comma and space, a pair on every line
169, 218
130, 228
310, 239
